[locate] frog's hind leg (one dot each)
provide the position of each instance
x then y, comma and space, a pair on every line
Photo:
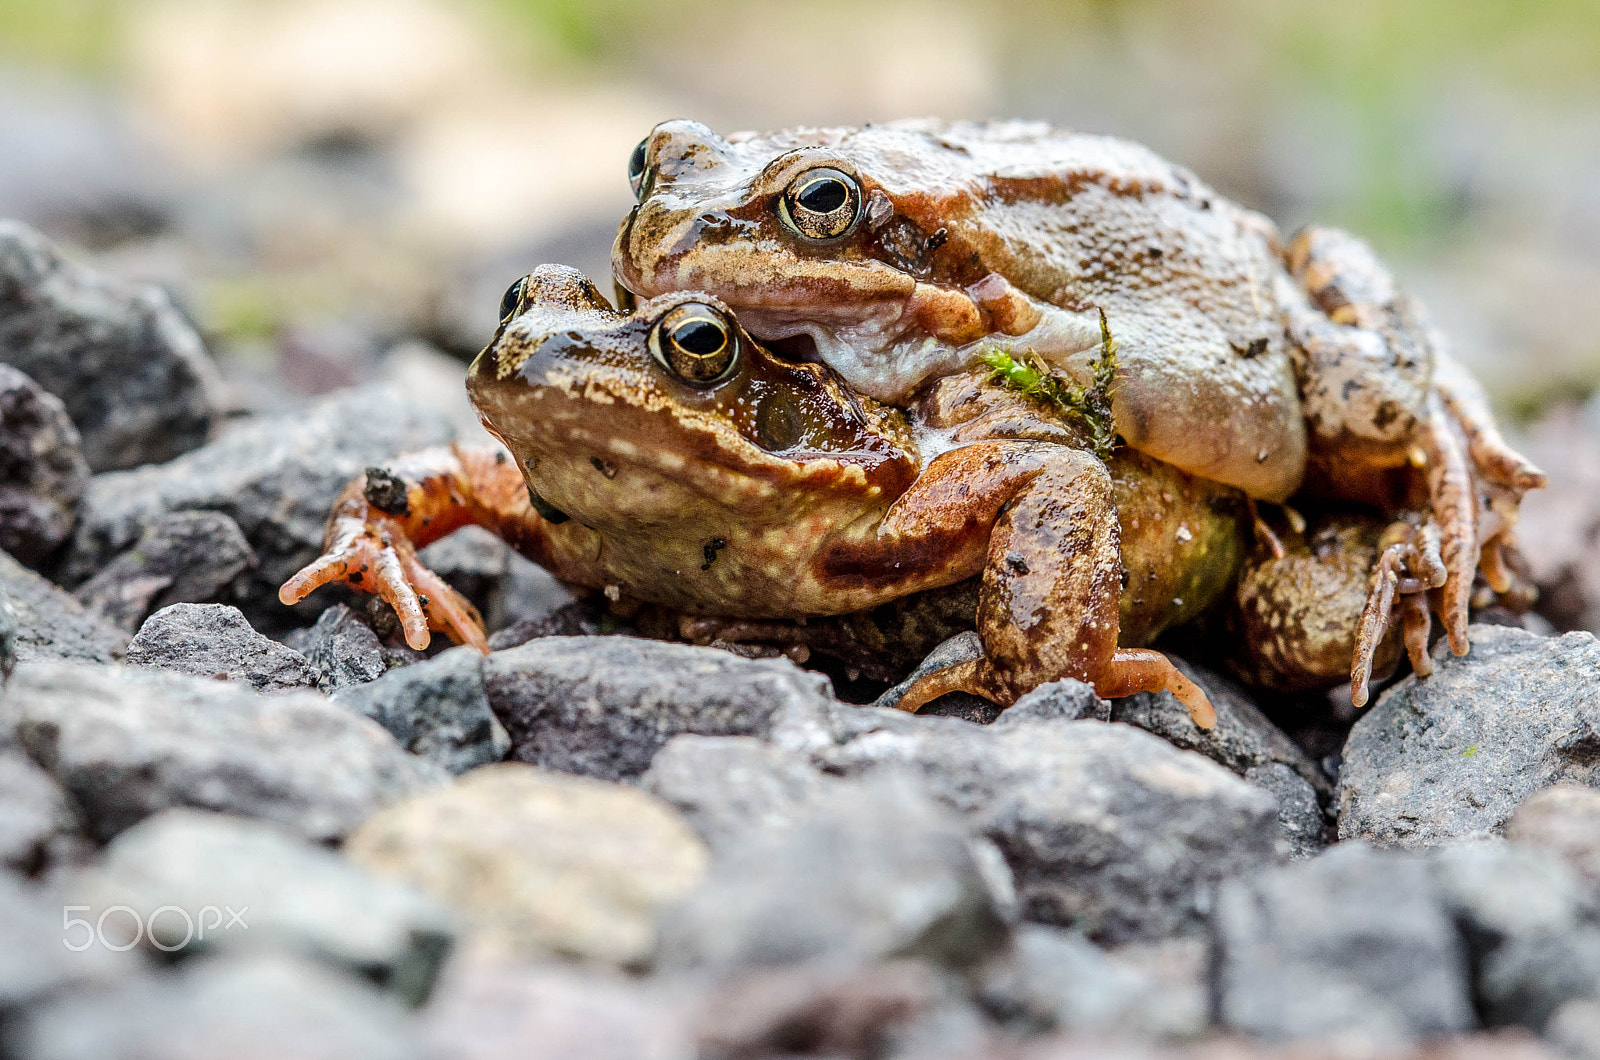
1052, 576
1409, 567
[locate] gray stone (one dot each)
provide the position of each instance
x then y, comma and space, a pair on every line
245, 1005
277, 478
1575, 1029
537, 863
1107, 828
214, 640
42, 470
41, 952
50, 624
728, 786
1243, 738
129, 368
36, 817
129, 743
437, 709
344, 650
1451, 756
1532, 925
473, 561
486, 1010
1057, 980
603, 706
872, 870
289, 894
529, 594
182, 558
1354, 944
1565, 820
1301, 825
1066, 700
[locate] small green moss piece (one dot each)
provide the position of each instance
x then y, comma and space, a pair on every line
1470, 752
1089, 407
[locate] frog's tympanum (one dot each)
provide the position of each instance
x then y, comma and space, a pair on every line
664, 456
900, 254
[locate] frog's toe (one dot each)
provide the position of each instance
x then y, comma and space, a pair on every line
1408, 568
440, 607
1132, 670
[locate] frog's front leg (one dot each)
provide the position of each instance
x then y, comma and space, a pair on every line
1043, 517
385, 515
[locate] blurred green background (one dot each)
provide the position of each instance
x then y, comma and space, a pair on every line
318, 180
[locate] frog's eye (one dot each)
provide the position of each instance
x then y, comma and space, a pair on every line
695, 343
512, 299
636, 163
821, 204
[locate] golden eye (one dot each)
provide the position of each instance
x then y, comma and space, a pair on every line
695, 343
821, 204
512, 299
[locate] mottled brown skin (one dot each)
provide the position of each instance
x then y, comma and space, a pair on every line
679, 495
1241, 359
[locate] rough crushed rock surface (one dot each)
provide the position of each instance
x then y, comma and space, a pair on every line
183, 558
214, 640
50, 624
129, 368
42, 470
436, 708
1450, 757
126, 743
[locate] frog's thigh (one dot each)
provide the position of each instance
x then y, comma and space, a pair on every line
1364, 353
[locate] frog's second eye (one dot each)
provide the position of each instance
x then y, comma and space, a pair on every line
512, 299
636, 168
821, 204
695, 343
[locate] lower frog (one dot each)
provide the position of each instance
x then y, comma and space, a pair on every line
664, 456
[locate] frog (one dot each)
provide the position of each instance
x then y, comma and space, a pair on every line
663, 455
900, 253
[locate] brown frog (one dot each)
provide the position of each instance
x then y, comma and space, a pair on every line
665, 456
900, 253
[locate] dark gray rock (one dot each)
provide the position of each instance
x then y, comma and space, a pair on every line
473, 561
873, 870
963, 647
36, 817
129, 368
530, 594
129, 743
42, 470
727, 786
437, 709
290, 895
576, 618
1243, 738
344, 650
245, 1005
1301, 824
603, 706
1565, 820
214, 640
277, 478
1057, 980
1532, 925
1451, 756
1107, 828
1352, 944
1066, 700
183, 558
40, 952
50, 624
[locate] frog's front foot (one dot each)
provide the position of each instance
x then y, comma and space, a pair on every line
371, 552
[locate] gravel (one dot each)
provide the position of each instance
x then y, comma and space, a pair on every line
42, 470
129, 743
185, 557
50, 624
213, 640
128, 366
1450, 757
437, 709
